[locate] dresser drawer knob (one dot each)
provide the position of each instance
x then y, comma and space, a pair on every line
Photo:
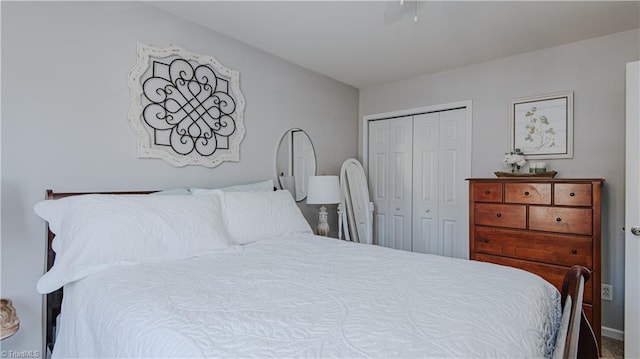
558, 219
487, 192
526, 193
572, 194
574, 251
485, 240
499, 214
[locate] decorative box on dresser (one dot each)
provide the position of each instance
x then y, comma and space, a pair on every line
543, 226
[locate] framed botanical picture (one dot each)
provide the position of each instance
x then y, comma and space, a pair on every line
542, 126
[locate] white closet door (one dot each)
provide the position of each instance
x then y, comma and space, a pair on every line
417, 170
390, 162
400, 141
425, 184
453, 199
379, 179
439, 167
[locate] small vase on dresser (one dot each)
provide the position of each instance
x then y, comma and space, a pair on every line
540, 225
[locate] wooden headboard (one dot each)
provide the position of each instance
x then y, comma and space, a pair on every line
53, 303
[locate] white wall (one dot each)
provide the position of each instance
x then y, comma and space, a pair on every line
595, 70
64, 121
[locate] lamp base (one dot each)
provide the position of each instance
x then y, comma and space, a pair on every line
323, 224
10, 322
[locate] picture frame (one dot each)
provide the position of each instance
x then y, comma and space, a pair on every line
542, 126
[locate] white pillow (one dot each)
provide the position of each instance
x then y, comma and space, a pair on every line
95, 232
254, 216
263, 186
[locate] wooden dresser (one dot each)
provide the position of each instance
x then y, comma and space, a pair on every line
543, 226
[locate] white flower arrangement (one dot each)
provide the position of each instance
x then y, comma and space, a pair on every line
515, 160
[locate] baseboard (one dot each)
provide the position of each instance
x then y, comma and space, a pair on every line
612, 333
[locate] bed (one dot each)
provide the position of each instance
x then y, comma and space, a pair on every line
277, 290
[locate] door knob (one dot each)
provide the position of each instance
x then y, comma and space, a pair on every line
635, 230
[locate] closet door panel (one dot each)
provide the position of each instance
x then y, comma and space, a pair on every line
427, 240
398, 238
425, 184
379, 228
379, 179
390, 161
453, 194
400, 145
449, 237
425, 197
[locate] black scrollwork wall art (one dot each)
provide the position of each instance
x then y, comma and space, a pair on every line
186, 108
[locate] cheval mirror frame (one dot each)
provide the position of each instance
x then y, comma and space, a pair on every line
356, 210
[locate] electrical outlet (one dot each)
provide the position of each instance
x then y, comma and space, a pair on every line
607, 292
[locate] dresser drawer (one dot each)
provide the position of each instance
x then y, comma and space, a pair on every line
559, 219
551, 273
539, 247
487, 192
500, 215
527, 193
572, 194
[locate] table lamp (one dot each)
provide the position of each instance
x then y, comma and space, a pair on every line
323, 190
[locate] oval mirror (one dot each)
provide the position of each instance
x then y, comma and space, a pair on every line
295, 162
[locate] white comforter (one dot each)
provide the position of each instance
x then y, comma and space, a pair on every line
309, 296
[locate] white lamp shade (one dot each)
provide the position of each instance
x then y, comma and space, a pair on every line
323, 190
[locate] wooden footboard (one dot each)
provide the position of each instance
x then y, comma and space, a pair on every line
575, 337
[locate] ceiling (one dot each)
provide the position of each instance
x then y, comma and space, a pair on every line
368, 43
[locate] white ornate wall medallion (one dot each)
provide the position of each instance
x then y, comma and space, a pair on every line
185, 108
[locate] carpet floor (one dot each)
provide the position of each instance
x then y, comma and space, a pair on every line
612, 349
